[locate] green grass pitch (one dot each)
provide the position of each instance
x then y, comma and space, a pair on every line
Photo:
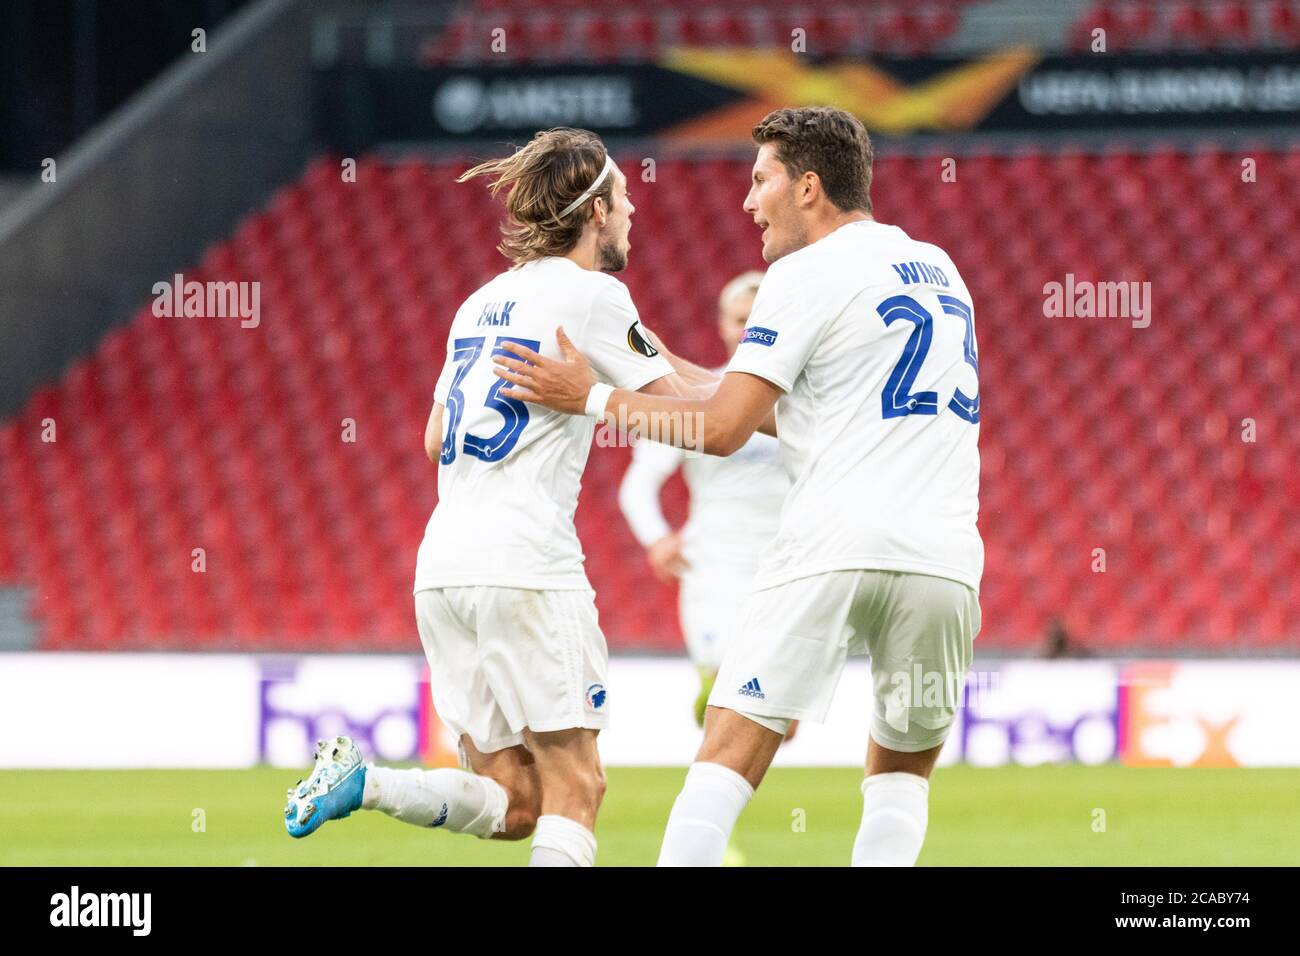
1042, 816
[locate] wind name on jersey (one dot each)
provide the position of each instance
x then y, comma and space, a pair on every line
914, 272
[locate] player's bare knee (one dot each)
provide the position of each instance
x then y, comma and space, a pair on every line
881, 759
736, 742
524, 807
520, 822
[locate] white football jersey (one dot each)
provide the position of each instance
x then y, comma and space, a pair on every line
871, 336
735, 504
509, 473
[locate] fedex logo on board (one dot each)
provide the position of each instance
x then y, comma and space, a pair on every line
387, 710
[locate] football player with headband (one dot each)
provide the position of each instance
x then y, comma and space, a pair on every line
507, 617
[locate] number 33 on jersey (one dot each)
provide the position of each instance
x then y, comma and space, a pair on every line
509, 472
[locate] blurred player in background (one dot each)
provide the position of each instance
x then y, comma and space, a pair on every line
735, 506
517, 661
864, 340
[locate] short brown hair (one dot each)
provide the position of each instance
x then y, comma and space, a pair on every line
543, 178
829, 142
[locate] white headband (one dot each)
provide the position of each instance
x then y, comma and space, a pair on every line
609, 164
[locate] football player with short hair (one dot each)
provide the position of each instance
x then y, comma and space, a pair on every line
863, 339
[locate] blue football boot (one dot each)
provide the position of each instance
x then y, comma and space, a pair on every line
332, 792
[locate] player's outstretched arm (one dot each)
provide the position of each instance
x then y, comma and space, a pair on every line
726, 419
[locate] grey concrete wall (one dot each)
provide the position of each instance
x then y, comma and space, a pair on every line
149, 189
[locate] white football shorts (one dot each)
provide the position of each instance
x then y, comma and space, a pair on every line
502, 659
710, 608
789, 651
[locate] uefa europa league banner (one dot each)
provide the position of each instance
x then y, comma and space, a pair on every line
717, 95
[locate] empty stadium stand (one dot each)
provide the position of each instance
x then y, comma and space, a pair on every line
562, 30
186, 433
1191, 25
569, 31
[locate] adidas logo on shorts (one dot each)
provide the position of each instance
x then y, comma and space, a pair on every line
752, 689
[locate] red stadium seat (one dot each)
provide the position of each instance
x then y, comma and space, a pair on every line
1284, 23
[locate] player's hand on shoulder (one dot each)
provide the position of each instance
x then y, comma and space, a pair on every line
665, 557
558, 384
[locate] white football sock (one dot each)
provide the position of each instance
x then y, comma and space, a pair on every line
895, 809
463, 802
559, 841
703, 816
